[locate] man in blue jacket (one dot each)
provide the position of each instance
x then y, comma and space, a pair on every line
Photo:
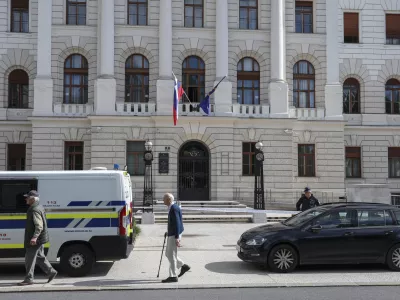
175, 229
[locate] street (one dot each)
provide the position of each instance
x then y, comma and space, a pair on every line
323, 293
210, 250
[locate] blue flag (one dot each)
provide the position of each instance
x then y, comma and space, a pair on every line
205, 104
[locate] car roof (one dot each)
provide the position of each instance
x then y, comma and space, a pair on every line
354, 204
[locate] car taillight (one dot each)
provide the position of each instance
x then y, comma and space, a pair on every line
122, 215
131, 215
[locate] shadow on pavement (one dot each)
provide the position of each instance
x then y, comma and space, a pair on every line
107, 282
17, 272
332, 269
234, 267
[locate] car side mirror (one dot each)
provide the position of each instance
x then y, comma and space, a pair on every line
316, 228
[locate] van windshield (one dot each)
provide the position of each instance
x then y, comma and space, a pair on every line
304, 216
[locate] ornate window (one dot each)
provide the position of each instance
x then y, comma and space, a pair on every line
303, 85
18, 89
193, 74
304, 17
394, 162
248, 158
135, 158
248, 14
194, 13
137, 79
353, 162
16, 157
248, 81
392, 96
76, 12
137, 12
20, 16
73, 156
75, 80
351, 96
306, 160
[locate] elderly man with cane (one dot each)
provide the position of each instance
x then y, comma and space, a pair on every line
175, 229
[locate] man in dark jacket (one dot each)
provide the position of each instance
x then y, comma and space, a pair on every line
36, 236
307, 201
175, 229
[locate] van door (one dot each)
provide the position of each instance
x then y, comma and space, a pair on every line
13, 216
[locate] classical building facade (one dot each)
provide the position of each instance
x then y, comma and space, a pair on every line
85, 83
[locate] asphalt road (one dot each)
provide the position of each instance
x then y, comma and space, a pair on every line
319, 293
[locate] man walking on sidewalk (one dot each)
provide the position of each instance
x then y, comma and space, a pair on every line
36, 235
175, 229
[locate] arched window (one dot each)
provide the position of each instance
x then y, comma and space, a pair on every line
351, 96
193, 75
303, 85
137, 79
392, 96
248, 81
18, 89
75, 80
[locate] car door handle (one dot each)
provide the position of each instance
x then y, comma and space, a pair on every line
388, 232
349, 233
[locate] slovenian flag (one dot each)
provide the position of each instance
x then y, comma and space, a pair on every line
178, 92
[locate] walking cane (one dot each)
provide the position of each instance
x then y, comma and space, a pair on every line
165, 236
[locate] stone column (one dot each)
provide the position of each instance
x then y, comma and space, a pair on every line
278, 87
43, 83
223, 95
333, 88
165, 84
105, 86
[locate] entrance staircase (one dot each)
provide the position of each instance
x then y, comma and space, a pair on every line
205, 216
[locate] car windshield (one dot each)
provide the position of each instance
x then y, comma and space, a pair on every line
304, 216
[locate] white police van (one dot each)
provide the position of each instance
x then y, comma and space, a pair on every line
89, 216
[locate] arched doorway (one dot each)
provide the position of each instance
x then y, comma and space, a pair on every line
194, 172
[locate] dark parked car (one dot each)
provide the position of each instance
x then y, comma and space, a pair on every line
342, 233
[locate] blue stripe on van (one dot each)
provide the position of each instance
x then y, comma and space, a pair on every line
79, 203
116, 203
12, 224
102, 223
87, 203
61, 223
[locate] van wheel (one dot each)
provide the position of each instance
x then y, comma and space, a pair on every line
282, 259
77, 260
393, 258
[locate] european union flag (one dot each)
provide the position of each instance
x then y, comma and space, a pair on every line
205, 104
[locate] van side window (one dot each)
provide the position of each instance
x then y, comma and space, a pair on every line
12, 195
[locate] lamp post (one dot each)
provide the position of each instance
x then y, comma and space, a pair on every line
259, 202
148, 176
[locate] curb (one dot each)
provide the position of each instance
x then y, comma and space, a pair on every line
193, 286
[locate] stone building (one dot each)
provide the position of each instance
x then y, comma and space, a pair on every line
84, 83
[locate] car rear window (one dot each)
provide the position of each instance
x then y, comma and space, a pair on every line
397, 215
374, 217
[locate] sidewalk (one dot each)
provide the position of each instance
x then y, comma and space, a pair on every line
210, 250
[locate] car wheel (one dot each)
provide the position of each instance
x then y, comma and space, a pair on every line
77, 260
393, 258
282, 259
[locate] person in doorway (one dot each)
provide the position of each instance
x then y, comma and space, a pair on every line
36, 236
174, 234
307, 201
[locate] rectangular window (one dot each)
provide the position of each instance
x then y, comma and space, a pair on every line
248, 158
76, 12
306, 160
394, 162
393, 29
20, 16
248, 14
194, 13
12, 193
397, 215
374, 218
137, 12
353, 162
304, 17
351, 32
16, 157
135, 158
73, 156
